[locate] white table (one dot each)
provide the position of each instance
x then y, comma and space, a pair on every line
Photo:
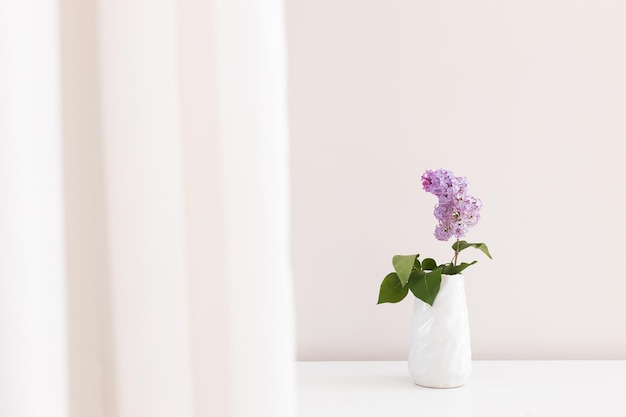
495, 389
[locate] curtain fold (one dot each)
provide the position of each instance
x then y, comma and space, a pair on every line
33, 330
254, 147
144, 193
145, 262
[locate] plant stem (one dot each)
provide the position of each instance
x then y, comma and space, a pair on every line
456, 251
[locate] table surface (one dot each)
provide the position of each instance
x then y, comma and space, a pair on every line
496, 388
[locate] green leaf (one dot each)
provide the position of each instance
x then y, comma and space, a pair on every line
425, 286
460, 245
450, 269
403, 264
464, 245
429, 264
391, 290
460, 268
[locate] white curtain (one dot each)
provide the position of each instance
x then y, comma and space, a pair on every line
144, 209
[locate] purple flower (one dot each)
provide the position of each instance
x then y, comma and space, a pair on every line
456, 210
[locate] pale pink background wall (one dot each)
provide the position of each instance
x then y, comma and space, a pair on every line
528, 100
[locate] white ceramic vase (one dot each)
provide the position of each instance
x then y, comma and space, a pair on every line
440, 355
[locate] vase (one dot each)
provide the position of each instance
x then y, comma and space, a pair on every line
440, 354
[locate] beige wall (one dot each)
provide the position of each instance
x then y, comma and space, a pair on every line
527, 99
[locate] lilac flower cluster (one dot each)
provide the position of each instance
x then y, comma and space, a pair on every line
456, 211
